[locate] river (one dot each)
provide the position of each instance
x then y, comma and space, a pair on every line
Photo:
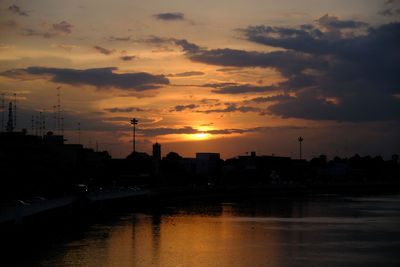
319, 230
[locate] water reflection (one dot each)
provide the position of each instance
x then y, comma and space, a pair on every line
274, 232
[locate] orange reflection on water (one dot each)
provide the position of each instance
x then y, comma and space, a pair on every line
191, 240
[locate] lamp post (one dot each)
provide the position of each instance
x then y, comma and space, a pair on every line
134, 122
300, 139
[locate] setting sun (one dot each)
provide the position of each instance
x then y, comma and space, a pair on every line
201, 135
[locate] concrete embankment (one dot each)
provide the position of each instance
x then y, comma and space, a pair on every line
30, 212
69, 206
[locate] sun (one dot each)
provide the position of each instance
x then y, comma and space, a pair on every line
201, 135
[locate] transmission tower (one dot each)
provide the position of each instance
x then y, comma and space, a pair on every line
134, 122
15, 111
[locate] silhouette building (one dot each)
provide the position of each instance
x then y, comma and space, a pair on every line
207, 164
157, 151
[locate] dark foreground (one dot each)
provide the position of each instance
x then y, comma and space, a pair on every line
308, 230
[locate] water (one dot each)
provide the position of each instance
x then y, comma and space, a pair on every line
313, 231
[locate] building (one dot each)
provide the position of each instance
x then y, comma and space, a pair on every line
207, 164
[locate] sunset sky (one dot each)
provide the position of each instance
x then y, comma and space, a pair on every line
222, 76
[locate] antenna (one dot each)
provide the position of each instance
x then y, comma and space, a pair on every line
44, 123
55, 119
134, 122
58, 109
3, 110
36, 125
62, 126
79, 133
15, 111
33, 124
300, 139
40, 123
10, 125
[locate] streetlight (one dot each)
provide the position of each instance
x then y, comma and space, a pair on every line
300, 139
134, 122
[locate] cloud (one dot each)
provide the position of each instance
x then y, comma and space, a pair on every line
389, 12
62, 27
66, 47
170, 16
242, 89
127, 58
345, 64
119, 39
55, 29
190, 130
231, 108
183, 107
218, 85
17, 10
103, 50
356, 108
166, 131
186, 74
123, 110
286, 62
9, 24
333, 22
101, 78
279, 97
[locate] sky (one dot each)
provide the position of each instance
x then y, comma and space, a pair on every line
223, 76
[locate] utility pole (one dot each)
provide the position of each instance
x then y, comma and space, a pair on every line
134, 122
300, 139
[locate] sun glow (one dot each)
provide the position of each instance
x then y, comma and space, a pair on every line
201, 135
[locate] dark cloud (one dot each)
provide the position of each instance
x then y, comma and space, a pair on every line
389, 12
166, 131
279, 97
186, 74
100, 77
119, 39
127, 58
54, 30
170, 16
332, 22
209, 100
356, 108
103, 50
386, 12
231, 108
62, 27
218, 85
17, 10
186, 46
33, 32
242, 89
286, 62
183, 107
190, 130
123, 110
346, 66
